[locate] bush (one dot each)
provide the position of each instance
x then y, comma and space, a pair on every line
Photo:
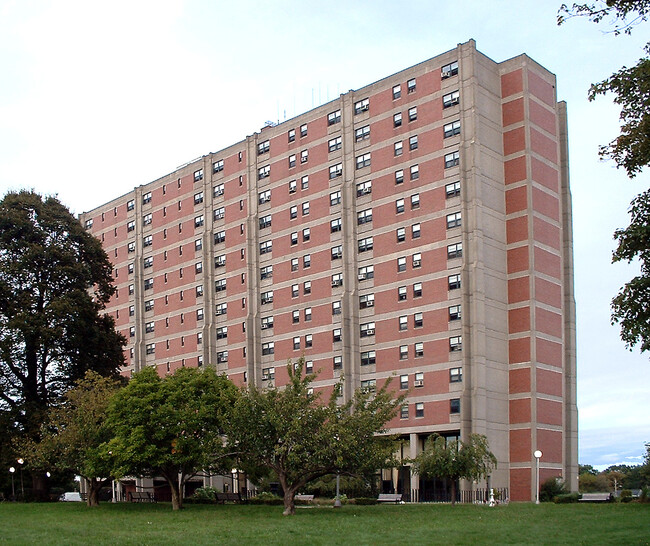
567, 498
266, 498
205, 494
645, 495
551, 488
626, 496
365, 501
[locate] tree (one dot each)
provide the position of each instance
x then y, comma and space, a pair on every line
587, 469
645, 469
455, 460
170, 427
55, 280
74, 433
631, 151
290, 431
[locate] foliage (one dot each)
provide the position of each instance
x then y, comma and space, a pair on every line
352, 486
291, 432
455, 460
586, 469
171, 427
631, 151
567, 498
73, 433
365, 501
593, 483
645, 469
552, 488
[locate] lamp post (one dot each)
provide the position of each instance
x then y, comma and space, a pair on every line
337, 501
22, 485
538, 456
13, 491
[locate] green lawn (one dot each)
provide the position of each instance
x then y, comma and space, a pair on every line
73, 523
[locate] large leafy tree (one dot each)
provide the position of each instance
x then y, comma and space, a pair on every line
455, 460
630, 88
55, 280
170, 427
74, 433
290, 431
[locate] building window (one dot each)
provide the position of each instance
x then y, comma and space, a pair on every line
419, 379
304, 183
417, 260
150, 348
364, 217
309, 340
294, 290
305, 208
404, 412
306, 261
132, 331
364, 188
266, 246
334, 117
455, 375
454, 312
222, 357
450, 99
296, 343
264, 172
265, 221
369, 385
219, 237
449, 70
455, 343
413, 143
454, 405
366, 272
148, 284
199, 314
292, 160
397, 119
336, 335
222, 332
453, 220
418, 320
415, 231
198, 221
337, 362
403, 323
294, 264
415, 172
454, 251
399, 206
221, 309
454, 282
413, 113
130, 268
419, 349
291, 135
131, 289
451, 129
452, 189
399, 176
132, 310
220, 285
367, 329
198, 198
403, 352
363, 161
401, 264
415, 201
452, 159
130, 205
263, 147
398, 146
220, 213
264, 197
267, 323
267, 297
130, 226
367, 300
148, 262
335, 225
303, 130
361, 106
198, 175
294, 238
306, 287
147, 241
199, 290
365, 244
401, 293
362, 133
268, 349
368, 358
293, 212
309, 366
266, 272
336, 307
307, 314
401, 234
419, 409
217, 166
198, 267
336, 170
410, 85
337, 280
417, 290
146, 198
397, 92
337, 252
335, 198
295, 316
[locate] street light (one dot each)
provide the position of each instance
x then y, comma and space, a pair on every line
13, 491
22, 485
337, 502
538, 456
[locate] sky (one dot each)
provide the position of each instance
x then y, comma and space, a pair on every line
97, 98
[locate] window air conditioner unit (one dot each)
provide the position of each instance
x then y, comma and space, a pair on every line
370, 332
370, 304
365, 108
418, 383
446, 74
416, 263
367, 190
362, 276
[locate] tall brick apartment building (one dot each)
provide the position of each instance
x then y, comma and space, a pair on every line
419, 227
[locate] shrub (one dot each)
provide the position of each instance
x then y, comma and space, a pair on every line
365, 500
266, 498
645, 495
626, 496
566, 498
205, 494
551, 488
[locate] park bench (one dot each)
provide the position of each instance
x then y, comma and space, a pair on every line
228, 497
390, 497
305, 498
141, 496
595, 497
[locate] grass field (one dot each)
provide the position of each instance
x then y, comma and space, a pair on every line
73, 523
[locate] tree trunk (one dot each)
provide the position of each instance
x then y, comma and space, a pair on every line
177, 499
289, 494
453, 491
39, 486
93, 491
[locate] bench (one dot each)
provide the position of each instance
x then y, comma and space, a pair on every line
141, 496
596, 497
305, 498
390, 497
229, 497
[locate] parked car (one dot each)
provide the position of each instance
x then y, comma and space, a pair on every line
71, 496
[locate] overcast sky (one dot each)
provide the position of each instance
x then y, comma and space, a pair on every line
99, 97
